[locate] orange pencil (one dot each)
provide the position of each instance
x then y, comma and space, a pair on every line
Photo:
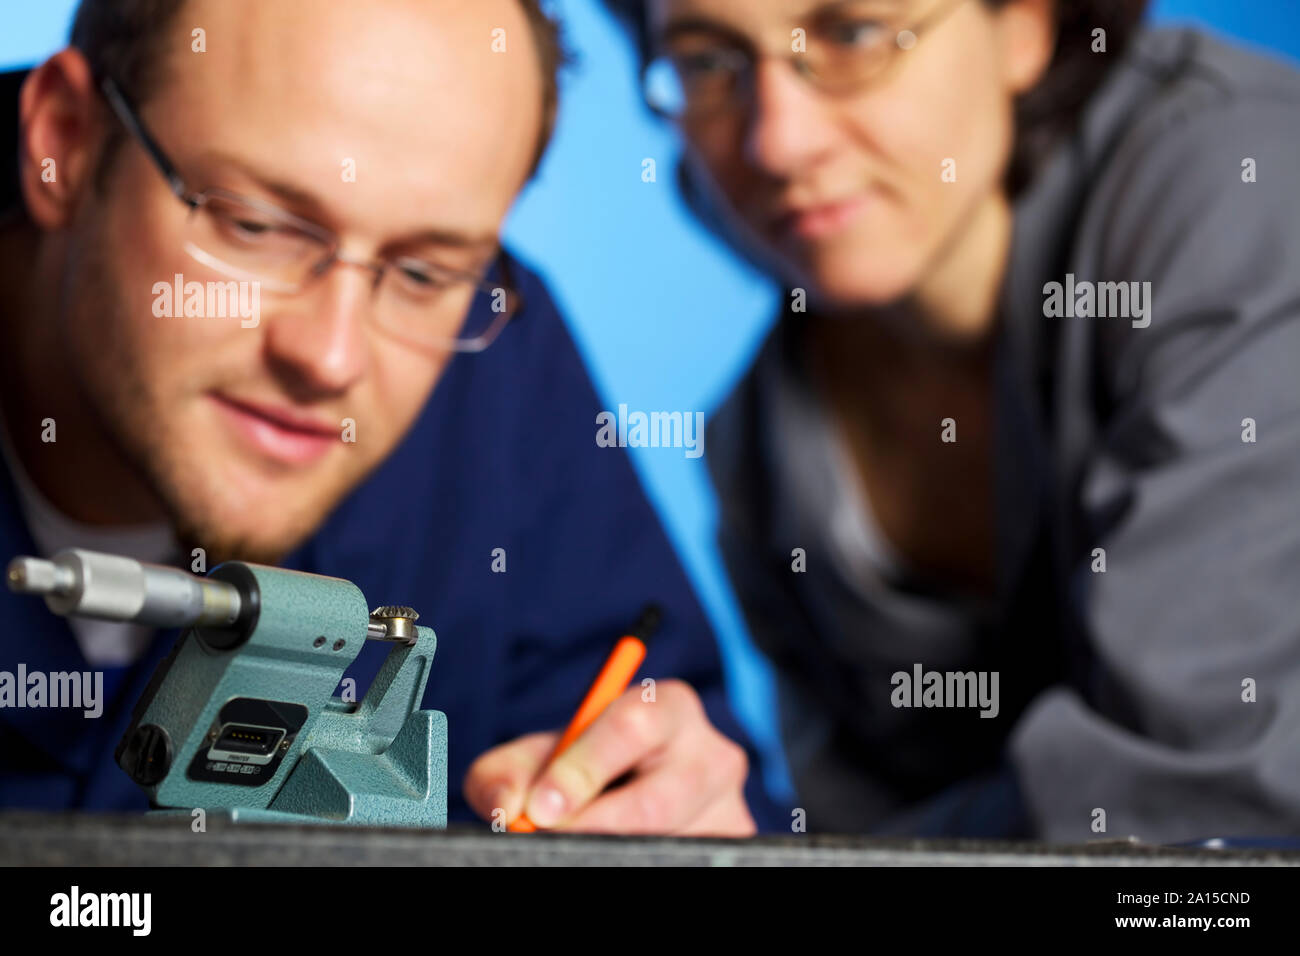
612, 680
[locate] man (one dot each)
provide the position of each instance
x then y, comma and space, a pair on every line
328, 168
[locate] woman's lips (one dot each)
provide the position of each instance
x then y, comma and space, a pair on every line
821, 221
289, 442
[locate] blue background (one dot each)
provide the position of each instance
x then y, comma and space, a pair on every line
665, 318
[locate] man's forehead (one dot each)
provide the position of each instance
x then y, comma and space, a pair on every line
347, 51
407, 93
361, 21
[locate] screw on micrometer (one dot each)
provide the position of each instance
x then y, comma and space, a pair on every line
147, 755
113, 588
241, 716
397, 622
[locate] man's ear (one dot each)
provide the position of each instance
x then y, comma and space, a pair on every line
1027, 35
60, 134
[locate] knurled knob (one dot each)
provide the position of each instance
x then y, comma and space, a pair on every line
398, 619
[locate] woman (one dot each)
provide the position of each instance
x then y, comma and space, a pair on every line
1010, 495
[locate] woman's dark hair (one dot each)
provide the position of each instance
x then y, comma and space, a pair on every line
1054, 105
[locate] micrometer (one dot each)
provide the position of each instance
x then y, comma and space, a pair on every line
240, 719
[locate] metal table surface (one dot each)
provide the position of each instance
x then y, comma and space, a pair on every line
53, 839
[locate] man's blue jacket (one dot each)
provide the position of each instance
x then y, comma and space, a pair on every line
503, 456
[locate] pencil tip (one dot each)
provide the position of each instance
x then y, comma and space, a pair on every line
648, 622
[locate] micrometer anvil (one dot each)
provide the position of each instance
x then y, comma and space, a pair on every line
241, 718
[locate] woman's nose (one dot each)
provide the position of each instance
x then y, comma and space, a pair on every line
791, 124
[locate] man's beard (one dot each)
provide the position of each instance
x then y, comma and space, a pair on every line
219, 547
115, 394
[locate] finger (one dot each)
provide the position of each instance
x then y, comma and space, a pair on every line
501, 776
726, 818
631, 731
662, 801
696, 788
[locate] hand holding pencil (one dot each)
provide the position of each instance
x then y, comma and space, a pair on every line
677, 774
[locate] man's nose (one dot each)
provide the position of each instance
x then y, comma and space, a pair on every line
320, 336
790, 122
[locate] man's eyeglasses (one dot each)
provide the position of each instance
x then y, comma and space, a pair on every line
703, 70
416, 299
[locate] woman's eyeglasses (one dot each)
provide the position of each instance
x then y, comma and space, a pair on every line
702, 70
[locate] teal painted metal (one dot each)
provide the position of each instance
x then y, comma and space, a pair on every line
379, 761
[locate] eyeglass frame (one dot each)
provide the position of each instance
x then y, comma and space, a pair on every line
129, 117
801, 66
